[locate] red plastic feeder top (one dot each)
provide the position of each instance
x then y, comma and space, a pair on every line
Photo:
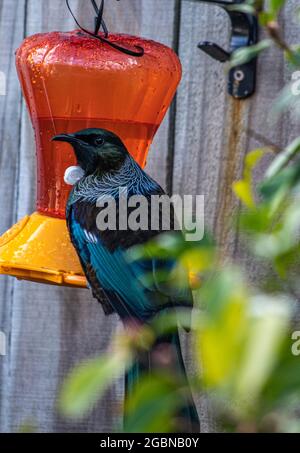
72, 81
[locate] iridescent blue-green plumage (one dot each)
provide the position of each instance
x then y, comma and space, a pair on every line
116, 281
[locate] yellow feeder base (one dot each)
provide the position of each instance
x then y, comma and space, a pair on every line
38, 248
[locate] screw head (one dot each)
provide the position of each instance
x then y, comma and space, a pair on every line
238, 75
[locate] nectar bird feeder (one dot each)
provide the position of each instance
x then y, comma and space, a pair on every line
72, 81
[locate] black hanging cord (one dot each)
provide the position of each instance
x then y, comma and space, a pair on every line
99, 22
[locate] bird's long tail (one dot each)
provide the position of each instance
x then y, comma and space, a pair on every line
166, 355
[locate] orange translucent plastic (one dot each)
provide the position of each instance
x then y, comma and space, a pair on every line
72, 81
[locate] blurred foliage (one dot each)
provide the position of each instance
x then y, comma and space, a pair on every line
242, 334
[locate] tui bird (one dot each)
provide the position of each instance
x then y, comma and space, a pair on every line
116, 281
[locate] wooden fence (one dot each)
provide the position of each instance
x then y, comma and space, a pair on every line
199, 149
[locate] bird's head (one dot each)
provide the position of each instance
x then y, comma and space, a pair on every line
96, 149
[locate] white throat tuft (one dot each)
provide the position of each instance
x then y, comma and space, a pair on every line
73, 175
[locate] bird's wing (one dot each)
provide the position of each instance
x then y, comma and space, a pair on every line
114, 274
130, 292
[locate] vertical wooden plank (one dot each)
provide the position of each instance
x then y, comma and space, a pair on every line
11, 32
150, 19
214, 132
159, 21
53, 328
200, 127
273, 74
202, 107
154, 20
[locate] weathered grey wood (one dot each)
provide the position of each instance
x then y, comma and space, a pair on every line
53, 328
49, 329
214, 132
11, 32
155, 20
200, 124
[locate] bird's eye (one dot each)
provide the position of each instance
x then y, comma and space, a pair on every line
99, 141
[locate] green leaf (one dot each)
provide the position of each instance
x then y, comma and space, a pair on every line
293, 57
238, 342
87, 383
243, 8
278, 187
283, 387
283, 158
271, 186
168, 321
264, 18
274, 6
289, 98
281, 240
199, 259
256, 220
153, 405
243, 191
269, 318
221, 332
168, 246
243, 188
246, 54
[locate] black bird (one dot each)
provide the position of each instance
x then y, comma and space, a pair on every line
116, 281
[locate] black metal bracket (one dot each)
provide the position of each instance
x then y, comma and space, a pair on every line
242, 79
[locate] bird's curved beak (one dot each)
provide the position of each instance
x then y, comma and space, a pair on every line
77, 145
69, 138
